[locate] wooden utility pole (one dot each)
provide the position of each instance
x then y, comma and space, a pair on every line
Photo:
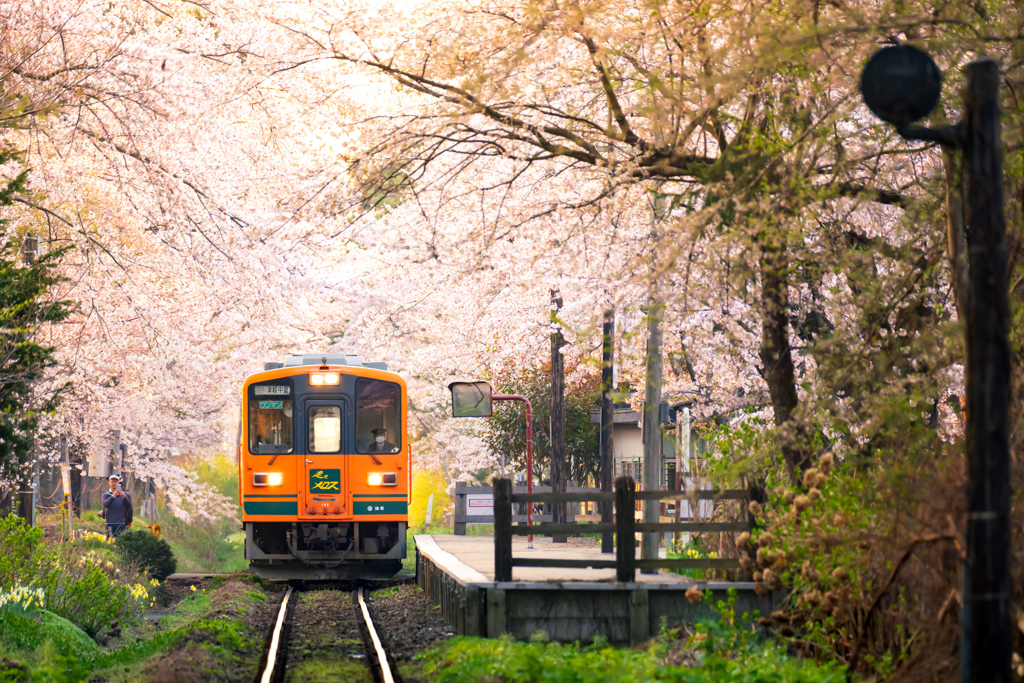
652, 430
986, 647
607, 418
557, 413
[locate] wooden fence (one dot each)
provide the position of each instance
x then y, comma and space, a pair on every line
625, 527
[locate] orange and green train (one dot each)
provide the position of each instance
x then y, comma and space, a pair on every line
324, 469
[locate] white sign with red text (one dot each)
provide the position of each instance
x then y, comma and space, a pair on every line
479, 505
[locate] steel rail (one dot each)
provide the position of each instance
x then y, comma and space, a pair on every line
275, 640
382, 657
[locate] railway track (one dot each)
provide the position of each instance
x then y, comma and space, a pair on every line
274, 663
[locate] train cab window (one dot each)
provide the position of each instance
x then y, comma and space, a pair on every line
378, 416
270, 418
324, 429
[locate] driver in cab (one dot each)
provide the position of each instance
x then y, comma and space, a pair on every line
380, 443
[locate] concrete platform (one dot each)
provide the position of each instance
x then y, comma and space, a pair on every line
457, 573
477, 553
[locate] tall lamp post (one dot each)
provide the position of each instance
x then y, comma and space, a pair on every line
900, 85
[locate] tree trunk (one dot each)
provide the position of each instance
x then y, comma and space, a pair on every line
26, 499
76, 453
777, 355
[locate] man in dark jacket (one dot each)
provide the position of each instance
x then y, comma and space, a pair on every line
117, 505
380, 443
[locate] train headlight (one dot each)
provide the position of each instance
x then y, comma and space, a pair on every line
267, 479
320, 378
382, 479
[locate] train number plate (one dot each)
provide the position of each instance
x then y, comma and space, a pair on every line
322, 481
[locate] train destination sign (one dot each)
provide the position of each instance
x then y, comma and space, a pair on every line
272, 390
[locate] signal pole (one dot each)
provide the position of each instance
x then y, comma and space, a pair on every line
901, 84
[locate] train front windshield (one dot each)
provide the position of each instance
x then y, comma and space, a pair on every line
271, 428
378, 416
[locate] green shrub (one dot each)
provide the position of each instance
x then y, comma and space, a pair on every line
145, 550
19, 560
77, 587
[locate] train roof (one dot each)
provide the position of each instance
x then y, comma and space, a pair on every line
300, 359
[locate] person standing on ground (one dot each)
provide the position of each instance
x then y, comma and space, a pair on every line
117, 505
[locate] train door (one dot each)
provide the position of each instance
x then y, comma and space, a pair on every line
325, 472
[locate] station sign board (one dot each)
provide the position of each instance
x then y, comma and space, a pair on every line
479, 505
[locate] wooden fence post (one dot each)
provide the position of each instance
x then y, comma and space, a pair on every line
625, 536
502, 529
459, 516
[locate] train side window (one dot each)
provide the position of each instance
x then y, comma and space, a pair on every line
378, 416
270, 424
324, 429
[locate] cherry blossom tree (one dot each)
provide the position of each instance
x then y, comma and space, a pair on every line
171, 158
556, 122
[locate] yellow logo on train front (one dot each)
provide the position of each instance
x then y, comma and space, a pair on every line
325, 480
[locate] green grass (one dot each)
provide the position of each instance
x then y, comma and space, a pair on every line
718, 649
47, 647
329, 668
206, 548
54, 649
189, 611
384, 592
467, 660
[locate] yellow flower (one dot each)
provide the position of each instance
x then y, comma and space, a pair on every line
193, 588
